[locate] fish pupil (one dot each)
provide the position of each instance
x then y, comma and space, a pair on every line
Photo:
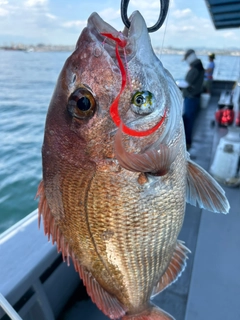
139, 100
83, 104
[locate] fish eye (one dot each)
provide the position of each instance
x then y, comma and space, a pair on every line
81, 104
143, 102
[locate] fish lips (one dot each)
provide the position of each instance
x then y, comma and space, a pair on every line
132, 36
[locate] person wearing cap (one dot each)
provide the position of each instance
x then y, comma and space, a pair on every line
208, 77
192, 92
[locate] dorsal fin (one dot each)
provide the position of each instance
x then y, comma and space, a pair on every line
203, 190
51, 229
175, 268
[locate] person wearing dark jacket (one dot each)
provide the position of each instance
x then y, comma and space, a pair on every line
191, 93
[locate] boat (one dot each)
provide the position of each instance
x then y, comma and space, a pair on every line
29, 50
35, 283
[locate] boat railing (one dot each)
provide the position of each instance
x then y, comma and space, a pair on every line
34, 280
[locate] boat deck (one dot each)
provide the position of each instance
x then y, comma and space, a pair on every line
209, 288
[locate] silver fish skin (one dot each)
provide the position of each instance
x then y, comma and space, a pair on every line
116, 173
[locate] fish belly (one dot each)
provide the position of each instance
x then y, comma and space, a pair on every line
134, 230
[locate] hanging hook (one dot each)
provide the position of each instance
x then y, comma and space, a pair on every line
164, 9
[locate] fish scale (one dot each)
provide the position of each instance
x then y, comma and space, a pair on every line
75, 220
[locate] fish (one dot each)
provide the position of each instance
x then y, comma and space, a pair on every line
116, 172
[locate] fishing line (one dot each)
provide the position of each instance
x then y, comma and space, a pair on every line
126, 64
165, 29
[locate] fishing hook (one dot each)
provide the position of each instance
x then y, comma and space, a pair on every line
163, 12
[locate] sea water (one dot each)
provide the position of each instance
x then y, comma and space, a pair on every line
27, 81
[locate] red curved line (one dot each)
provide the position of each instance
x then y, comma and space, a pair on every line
114, 106
145, 133
121, 42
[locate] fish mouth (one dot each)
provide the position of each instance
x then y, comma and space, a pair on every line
137, 28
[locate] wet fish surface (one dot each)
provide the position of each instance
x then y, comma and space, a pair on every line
116, 173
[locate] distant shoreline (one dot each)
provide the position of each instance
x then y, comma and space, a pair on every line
38, 48
63, 48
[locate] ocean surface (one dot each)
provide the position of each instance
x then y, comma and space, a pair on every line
27, 81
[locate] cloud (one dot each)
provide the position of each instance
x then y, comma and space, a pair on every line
184, 26
74, 24
109, 14
229, 35
50, 16
179, 14
142, 4
35, 3
3, 12
188, 28
187, 25
29, 19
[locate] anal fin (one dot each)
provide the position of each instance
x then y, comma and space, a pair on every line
109, 304
175, 268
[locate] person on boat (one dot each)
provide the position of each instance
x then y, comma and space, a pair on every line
208, 76
191, 93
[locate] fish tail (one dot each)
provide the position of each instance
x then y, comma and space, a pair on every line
152, 313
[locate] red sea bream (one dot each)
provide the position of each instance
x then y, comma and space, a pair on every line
116, 173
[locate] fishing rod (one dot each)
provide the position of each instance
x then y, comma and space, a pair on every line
162, 15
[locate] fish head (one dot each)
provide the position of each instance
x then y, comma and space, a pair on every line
90, 102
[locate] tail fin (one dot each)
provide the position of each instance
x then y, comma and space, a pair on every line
152, 313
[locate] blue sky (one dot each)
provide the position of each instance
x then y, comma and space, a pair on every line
61, 21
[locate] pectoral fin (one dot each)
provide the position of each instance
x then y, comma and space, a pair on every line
153, 161
204, 191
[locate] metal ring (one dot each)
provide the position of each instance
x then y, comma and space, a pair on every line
163, 13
